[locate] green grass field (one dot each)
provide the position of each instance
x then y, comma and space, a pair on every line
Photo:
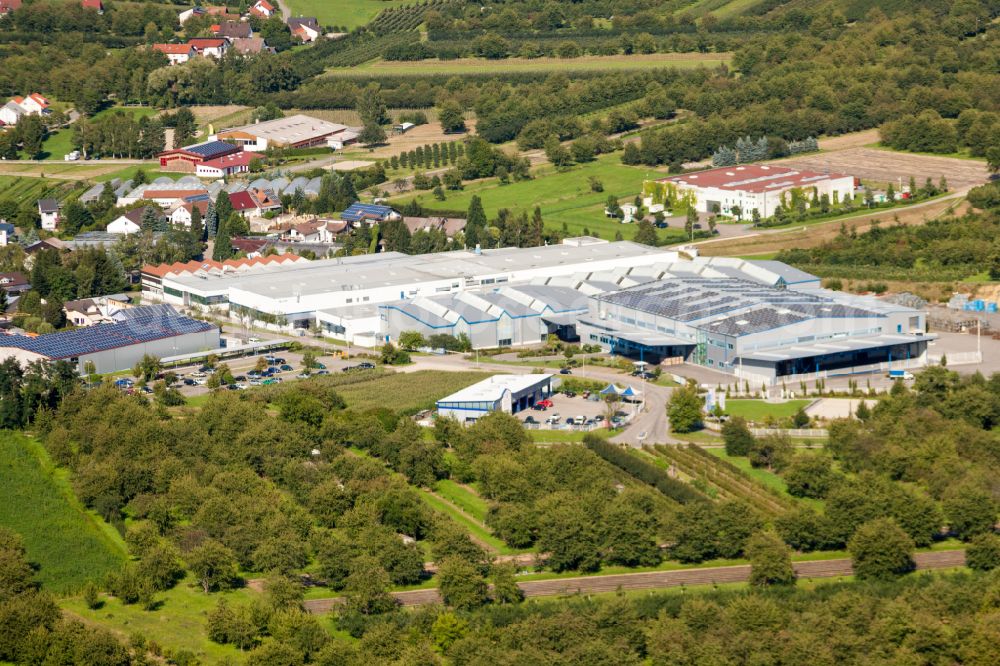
581, 64
757, 410
564, 196
68, 543
178, 624
764, 477
476, 529
410, 391
347, 13
462, 497
58, 144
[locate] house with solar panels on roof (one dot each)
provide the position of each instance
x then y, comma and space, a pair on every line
739, 190
370, 214
157, 330
188, 158
762, 321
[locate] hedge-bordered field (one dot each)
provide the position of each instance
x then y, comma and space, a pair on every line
581, 64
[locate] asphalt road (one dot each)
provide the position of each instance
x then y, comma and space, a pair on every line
654, 580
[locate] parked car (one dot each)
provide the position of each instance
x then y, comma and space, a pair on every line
286, 368
318, 366
552, 420
279, 361
569, 394
323, 372
530, 420
580, 420
124, 383
189, 382
366, 365
546, 403
585, 395
302, 375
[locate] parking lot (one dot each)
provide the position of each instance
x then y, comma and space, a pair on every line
564, 408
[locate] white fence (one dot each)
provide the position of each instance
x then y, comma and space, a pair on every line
961, 358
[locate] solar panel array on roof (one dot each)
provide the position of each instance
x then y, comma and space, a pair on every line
144, 325
754, 307
359, 211
212, 149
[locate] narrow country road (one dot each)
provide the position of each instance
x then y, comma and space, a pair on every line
654, 580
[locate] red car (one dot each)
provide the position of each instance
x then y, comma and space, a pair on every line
544, 403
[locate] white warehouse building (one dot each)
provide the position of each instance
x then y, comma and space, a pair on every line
761, 187
340, 294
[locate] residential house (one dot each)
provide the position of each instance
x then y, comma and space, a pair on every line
306, 28
232, 30
48, 209
263, 9
210, 47
167, 199
254, 202
249, 45
130, 222
96, 5
14, 283
177, 54
181, 213
7, 232
449, 225
222, 13
307, 232
96, 310
226, 165
358, 213
32, 105
7, 6
250, 247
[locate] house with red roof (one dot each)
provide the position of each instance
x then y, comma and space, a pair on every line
189, 157
96, 5
262, 9
232, 30
210, 47
32, 105
254, 202
306, 28
7, 6
177, 54
226, 165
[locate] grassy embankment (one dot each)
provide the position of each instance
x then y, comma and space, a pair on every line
69, 544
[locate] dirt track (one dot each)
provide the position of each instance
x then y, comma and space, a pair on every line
653, 580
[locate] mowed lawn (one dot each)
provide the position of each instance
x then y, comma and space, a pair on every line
757, 410
581, 64
69, 544
406, 392
347, 13
564, 196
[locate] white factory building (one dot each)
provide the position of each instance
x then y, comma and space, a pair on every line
499, 393
761, 187
340, 294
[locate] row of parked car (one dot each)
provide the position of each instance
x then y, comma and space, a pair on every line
364, 365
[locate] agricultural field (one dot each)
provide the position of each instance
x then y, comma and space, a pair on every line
345, 13
69, 544
580, 64
886, 166
721, 8
23, 190
409, 392
564, 196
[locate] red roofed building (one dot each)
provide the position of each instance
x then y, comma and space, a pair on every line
226, 165
176, 53
189, 157
739, 190
153, 277
7, 6
210, 47
254, 203
262, 9
93, 4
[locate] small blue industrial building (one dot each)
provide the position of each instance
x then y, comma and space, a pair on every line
506, 393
